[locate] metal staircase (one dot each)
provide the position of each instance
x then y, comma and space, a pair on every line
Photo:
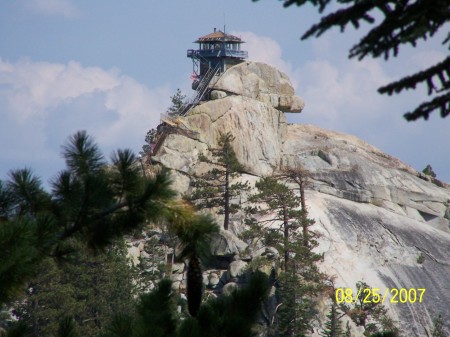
202, 89
172, 124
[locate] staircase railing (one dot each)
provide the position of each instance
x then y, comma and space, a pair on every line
202, 89
170, 123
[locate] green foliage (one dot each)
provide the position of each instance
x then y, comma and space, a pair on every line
157, 312
421, 258
283, 217
195, 240
277, 200
385, 334
429, 171
227, 316
105, 202
18, 329
178, 101
296, 310
279, 217
90, 199
348, 332
369, 312
439, 329
90, 288
395, 23
153, 267
149, 141
215, 188
23, 241
333, 327
67, 328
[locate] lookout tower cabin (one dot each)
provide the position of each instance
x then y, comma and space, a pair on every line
216, 52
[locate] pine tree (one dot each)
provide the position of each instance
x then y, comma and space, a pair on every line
233, 315
281, 204
300, 177
348, 332
195, 235
157, 312
369, 312
296, 306
90, 288
26, 230
178, 101
429, 171
280, 217
333, 327
149, 142
215, 188
396, 23
67, 328
439, 329
90, 199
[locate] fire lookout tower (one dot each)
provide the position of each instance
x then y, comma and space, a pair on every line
217, 52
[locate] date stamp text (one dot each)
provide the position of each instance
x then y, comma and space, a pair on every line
375, 295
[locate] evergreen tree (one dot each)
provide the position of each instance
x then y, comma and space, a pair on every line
90, 199
149, 142
333, 327
67, 328
385, 334
369, 312
87, 287
26, 231
296, 306
194, 234
300, 177
18, 329
233, 315
396, 23
283, 223
178, 102
429, 171
157, 312
348, 332
215, 188
438, 327
279, 205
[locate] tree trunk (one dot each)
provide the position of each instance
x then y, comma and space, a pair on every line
226, 199
194, 285
286, 237
305, 213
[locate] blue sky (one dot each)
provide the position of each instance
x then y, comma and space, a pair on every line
109, 67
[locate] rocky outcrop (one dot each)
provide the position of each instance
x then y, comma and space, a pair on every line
379, 220
261, 82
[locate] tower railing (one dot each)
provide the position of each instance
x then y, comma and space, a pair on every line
219, 52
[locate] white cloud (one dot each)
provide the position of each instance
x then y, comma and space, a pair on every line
341, 95
32, 88
264, 49
42, 103
336, 96
63, 8
334, 92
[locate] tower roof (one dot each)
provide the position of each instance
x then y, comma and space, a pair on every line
219, 36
